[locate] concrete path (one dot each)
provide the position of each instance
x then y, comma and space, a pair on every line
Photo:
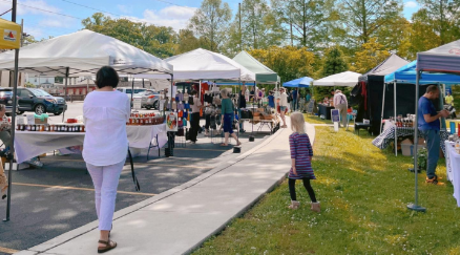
179, 220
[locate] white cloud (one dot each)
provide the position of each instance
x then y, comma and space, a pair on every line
411, 4
176, 17
57, 22
124, 8
30, 7
35, 32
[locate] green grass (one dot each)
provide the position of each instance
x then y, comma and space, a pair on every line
363, 192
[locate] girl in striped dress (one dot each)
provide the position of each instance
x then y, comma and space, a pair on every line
301, 153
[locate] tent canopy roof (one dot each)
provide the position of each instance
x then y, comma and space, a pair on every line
201, 64
391, 64
344, 79
83, 52
407, 74
445, 58
299, 83
263, 73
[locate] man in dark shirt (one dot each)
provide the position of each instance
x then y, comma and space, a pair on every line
241, 105
429, 126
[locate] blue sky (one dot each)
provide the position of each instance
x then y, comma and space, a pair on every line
41, 20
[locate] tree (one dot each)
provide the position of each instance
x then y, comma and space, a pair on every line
211, 21
423, 37
158, 40
334, 62
396, 35
372, 54
305, 19
288, 62
442, 16
363, 18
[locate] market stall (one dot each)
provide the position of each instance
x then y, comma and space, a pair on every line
324, 110
370, 91
80, 53
30, 144
452, 167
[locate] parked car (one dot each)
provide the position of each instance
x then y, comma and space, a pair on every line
128, 91
150, 99
39, 101
6, 98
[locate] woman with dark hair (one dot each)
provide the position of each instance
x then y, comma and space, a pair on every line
105, 112
195, 117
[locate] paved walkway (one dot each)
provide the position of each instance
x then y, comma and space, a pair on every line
179, 220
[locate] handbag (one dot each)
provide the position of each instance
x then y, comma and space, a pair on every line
136, 182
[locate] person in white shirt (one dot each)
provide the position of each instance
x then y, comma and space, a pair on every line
106, 112
341, 103
283, 106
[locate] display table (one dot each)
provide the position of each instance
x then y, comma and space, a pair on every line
325, 110
387, 136
31, 144
453, 168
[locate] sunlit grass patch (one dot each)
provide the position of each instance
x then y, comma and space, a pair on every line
363, 192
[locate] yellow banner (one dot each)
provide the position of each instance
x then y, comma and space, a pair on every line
11, 35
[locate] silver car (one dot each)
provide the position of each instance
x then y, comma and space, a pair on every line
150, 99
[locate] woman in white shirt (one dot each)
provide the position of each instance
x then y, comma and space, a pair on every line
283, 106
106, 112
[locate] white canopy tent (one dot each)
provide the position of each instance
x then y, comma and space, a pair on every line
344, 79
201, 64
83, 53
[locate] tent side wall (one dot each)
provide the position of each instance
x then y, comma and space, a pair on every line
404, 97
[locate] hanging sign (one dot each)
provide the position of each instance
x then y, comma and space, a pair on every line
172, 122
11, 35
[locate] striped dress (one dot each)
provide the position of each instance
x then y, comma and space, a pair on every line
301, 150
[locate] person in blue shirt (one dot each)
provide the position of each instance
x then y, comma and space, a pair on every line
294, 99
271, 100
308, 97
429, 126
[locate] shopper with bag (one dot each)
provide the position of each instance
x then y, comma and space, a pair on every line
105, 112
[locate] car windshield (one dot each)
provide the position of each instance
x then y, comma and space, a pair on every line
40, 93
136, 91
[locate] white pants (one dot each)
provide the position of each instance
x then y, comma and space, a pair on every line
105, 180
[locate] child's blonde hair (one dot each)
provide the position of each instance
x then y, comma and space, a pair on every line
298, 122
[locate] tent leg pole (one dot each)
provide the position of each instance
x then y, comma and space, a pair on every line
65, 91
383, 107
415, 206
396, 128
13, 126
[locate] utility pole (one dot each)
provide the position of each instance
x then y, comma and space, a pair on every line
241, 34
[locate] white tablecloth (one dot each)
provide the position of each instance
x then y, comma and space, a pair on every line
453, 169
32, 144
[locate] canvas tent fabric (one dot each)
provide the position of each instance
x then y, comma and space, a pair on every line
407, 74
201, 64
83, 52
263, 74
445, 58
391, 64
299, 83
344, 79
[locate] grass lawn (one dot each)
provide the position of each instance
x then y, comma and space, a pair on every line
363, 192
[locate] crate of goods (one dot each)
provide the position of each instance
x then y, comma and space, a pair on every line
406, 147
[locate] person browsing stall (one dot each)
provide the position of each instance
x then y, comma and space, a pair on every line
429, 126
283, 106
341, 104
449, 99
195, 117
105, 112
242, 105
227, 118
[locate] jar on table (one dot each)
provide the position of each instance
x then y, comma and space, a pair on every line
83, 128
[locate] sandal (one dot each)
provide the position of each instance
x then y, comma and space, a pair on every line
109, 245
224, 145
238, 144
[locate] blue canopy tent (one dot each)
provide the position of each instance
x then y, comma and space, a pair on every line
299, 83
408, 75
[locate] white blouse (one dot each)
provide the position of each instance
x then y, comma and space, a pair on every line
283, 99
105, 114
